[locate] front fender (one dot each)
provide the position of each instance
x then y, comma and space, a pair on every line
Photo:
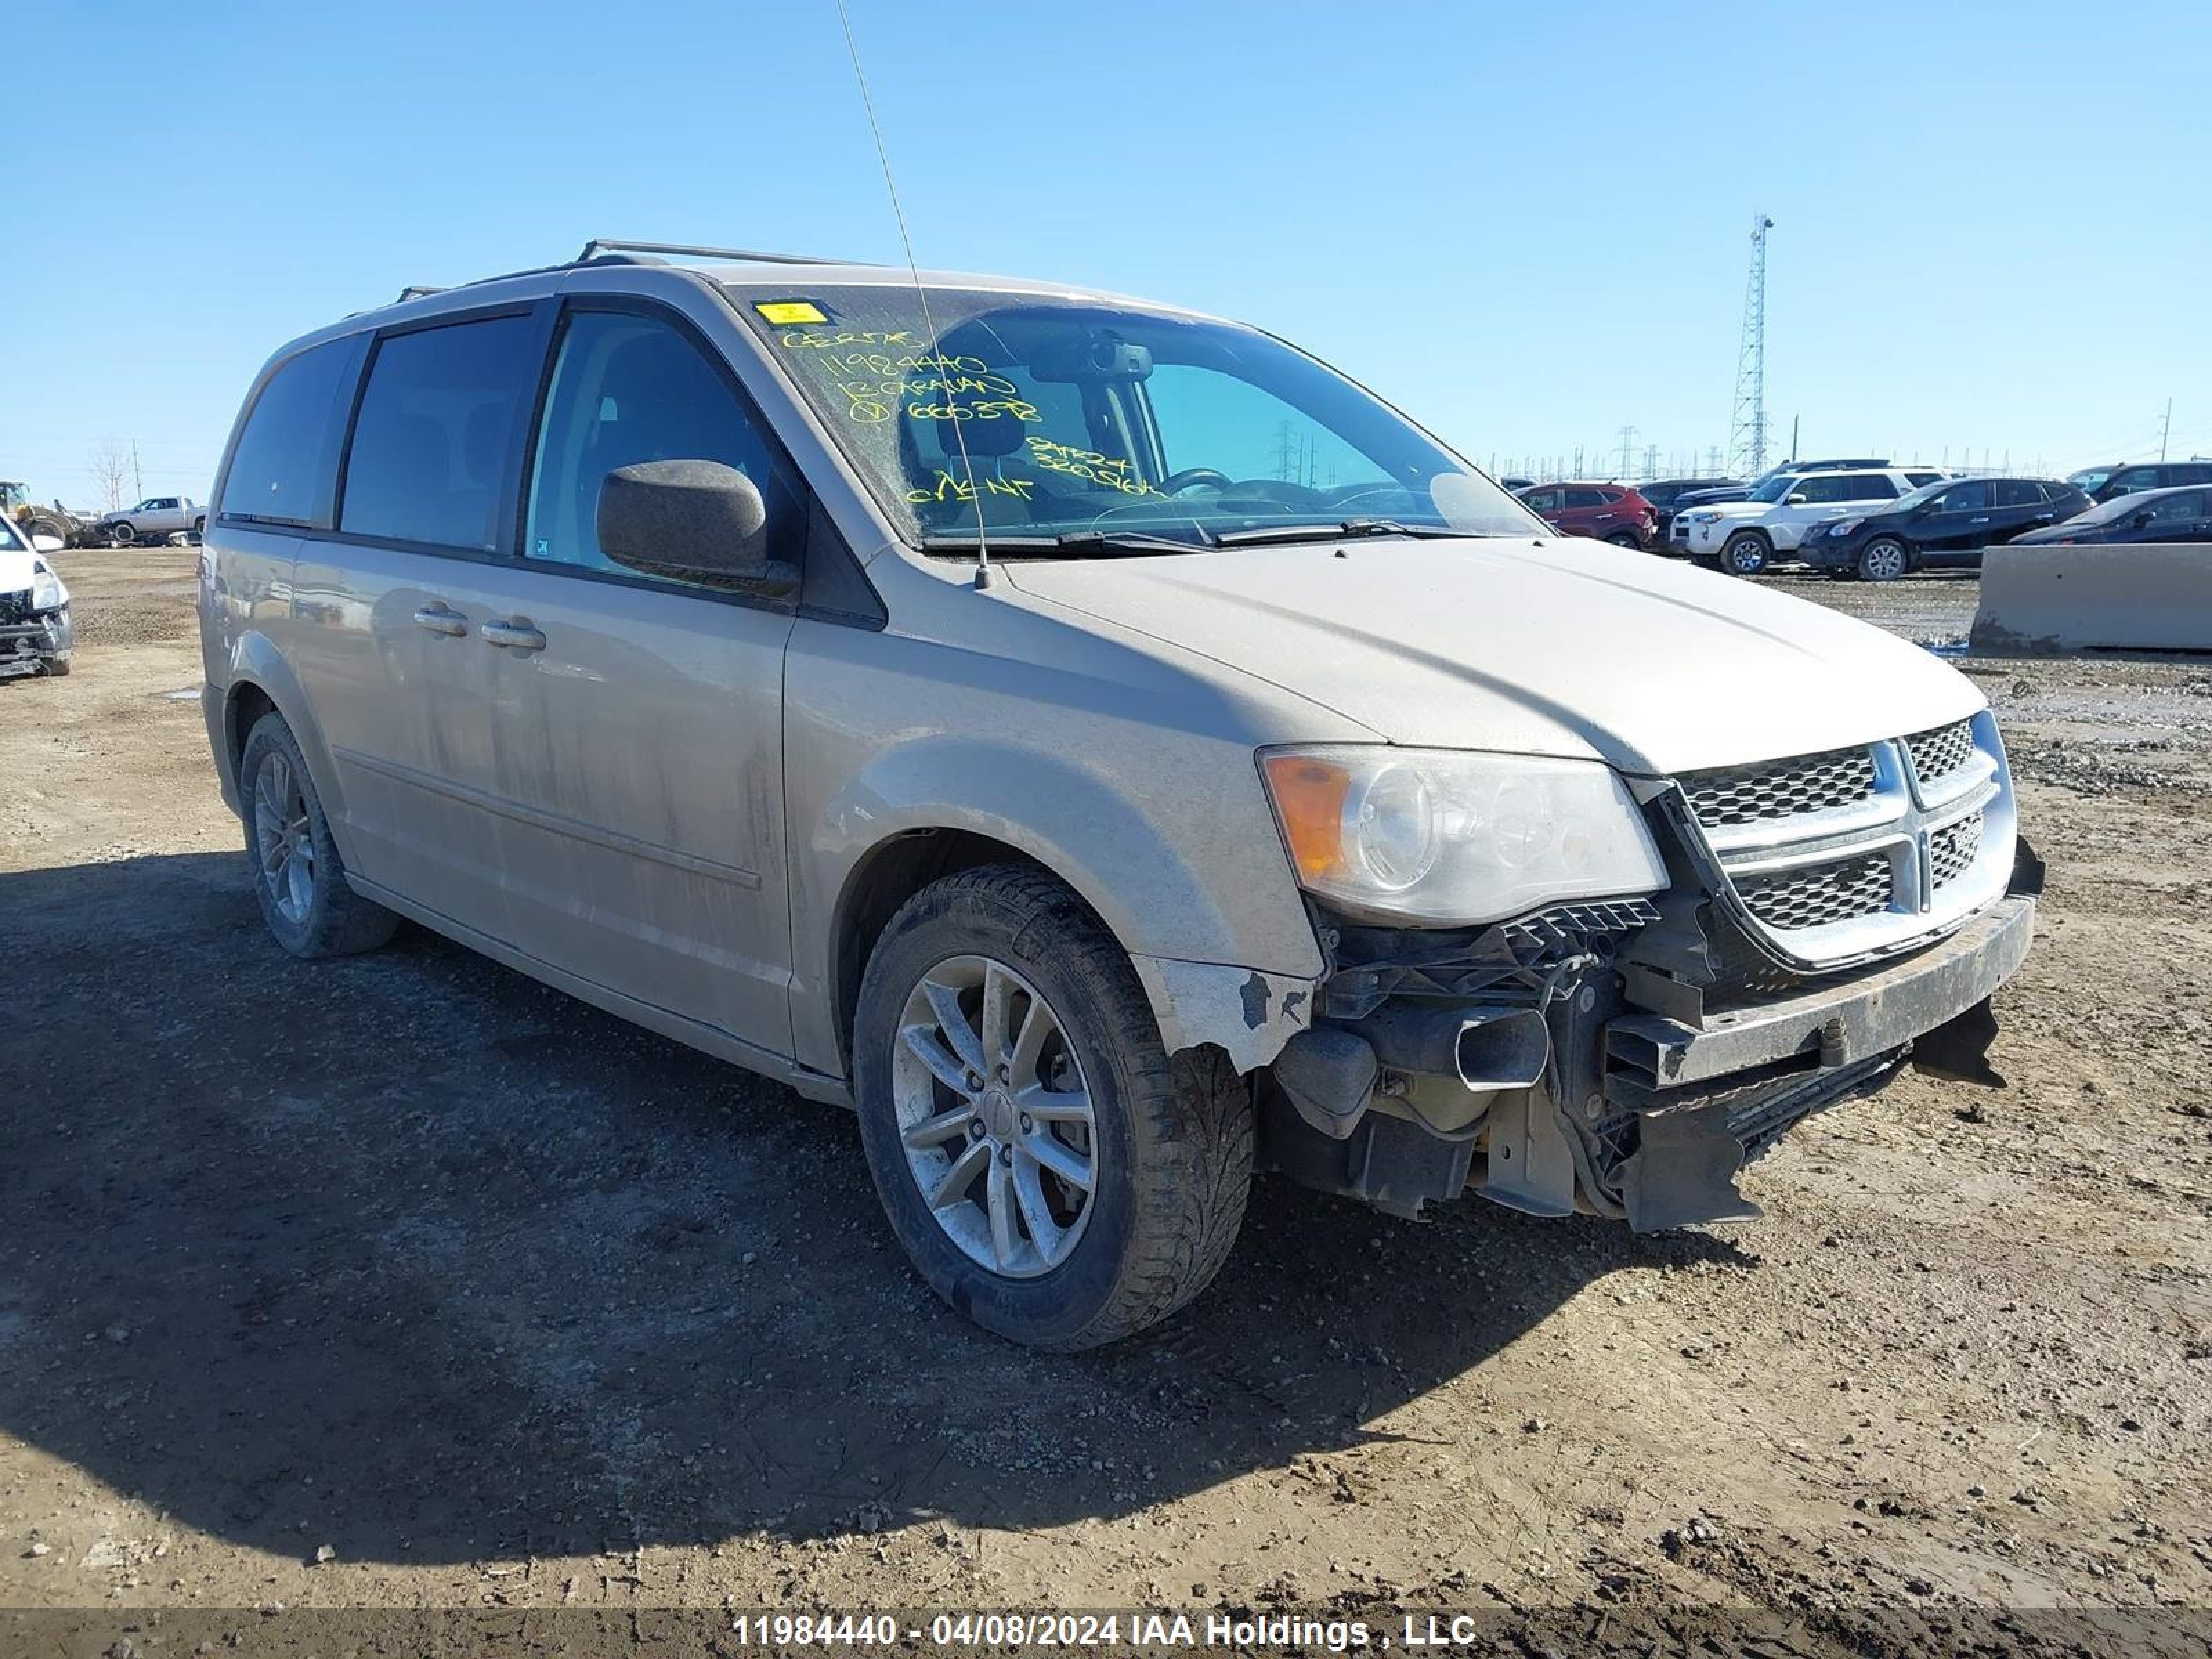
1218, 935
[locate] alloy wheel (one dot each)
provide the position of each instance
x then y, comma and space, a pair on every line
1746, 555
283, 840
1882, 562
995, 1116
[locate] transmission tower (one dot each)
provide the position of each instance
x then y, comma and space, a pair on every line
1747, 426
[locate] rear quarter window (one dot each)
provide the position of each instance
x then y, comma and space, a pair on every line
283, 469
1871, 487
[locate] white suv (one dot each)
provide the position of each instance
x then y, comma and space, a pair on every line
1745, 537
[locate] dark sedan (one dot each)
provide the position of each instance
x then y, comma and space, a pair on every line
1941, 526
2150, 515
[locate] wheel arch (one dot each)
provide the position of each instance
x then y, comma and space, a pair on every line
1214, 971
884, 878
260, 682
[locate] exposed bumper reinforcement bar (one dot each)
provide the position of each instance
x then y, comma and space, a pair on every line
1850, 1021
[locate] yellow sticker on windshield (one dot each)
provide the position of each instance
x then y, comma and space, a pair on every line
785, 312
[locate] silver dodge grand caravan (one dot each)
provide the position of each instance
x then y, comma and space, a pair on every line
1101, 745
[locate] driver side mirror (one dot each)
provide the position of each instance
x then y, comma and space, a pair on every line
1798, 500
697, 521
44, 543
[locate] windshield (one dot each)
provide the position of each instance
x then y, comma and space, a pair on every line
1083, 421
11, 539
1926, 492
1773, 487
2090, 479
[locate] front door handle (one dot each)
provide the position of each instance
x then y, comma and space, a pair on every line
440, 620
517, 635
1981, 521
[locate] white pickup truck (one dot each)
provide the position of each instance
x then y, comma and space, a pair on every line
155, 518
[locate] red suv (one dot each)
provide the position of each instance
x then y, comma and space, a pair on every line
1606, 512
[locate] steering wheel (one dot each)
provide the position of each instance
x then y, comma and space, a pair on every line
1177, 482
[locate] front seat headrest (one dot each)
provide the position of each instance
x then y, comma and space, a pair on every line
1001, 434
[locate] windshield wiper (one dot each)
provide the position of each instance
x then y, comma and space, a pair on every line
1330, 532
1073, 544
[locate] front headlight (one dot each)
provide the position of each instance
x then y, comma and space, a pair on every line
47, 590
1844, 526
1704, 517
1447, 837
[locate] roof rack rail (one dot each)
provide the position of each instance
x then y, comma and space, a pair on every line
600, 246
418, 291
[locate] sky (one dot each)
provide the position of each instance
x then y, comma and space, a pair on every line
1528, 226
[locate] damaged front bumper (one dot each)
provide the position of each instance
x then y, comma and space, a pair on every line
1634, 1108
30, 643
1704, 1098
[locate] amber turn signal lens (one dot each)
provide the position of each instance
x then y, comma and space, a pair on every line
1310, 797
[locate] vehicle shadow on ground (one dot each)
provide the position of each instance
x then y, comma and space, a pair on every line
408, 1256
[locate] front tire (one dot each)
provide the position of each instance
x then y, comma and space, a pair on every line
1746, 553
1623, 539
299, 879
122, 535
1884, 559
1050, 1170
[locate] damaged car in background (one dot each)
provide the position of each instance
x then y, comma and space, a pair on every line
951, 711
36, 636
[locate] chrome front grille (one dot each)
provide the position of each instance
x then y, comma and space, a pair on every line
1936, 755
1812, 894
1780, 789
1835, 858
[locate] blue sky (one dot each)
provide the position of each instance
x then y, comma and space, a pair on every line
1526, 225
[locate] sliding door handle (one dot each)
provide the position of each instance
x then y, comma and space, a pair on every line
516, 635
439, 620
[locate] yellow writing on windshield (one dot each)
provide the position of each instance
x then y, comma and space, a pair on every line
1107, 471
950, 489
976, 408
988, 396
806, 340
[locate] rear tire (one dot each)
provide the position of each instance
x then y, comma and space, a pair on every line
298, 877
1884, 559
1166, 1143
1746, 553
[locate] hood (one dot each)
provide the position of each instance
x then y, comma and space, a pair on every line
1540, 645
16, 569
1738, 509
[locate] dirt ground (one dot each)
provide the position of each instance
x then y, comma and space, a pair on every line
404, 1282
